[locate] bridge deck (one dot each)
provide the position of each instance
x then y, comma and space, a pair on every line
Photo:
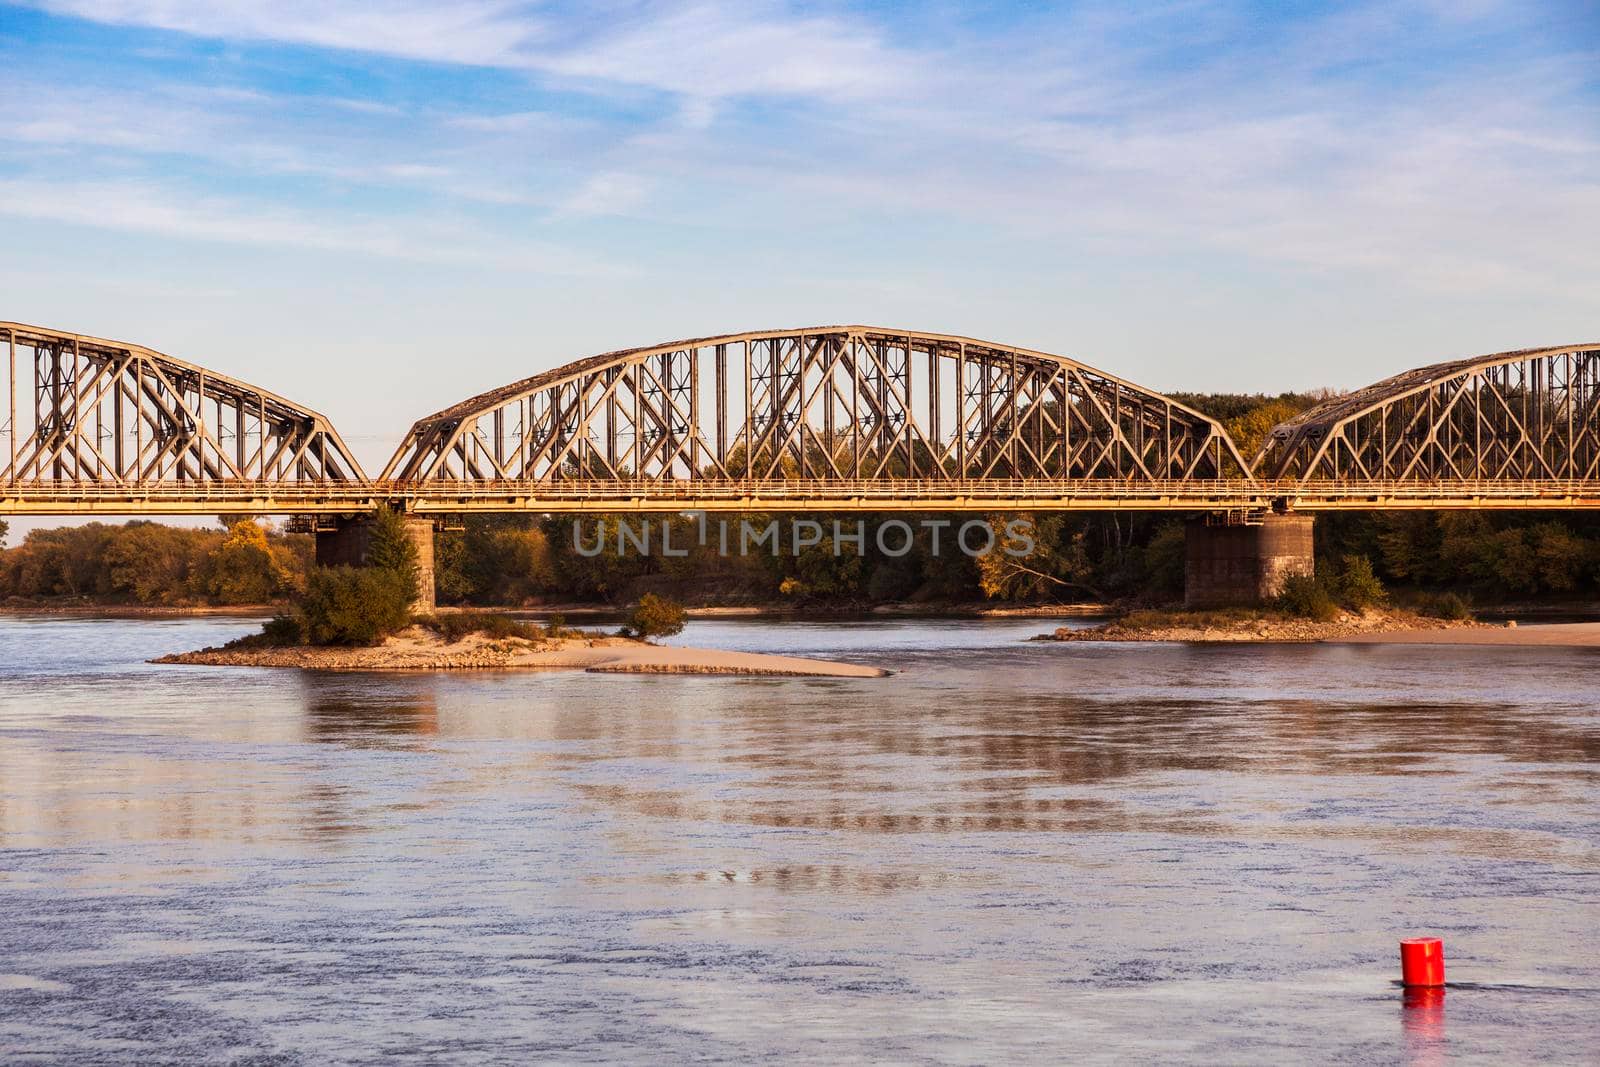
736, 495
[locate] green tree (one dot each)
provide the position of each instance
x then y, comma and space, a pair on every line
1165, 558
149, 562
355, 605
826, 571
1560, 556
391, 549
1358, 587
656, 617
451, 579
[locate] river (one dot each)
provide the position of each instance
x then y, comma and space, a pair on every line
1006, 851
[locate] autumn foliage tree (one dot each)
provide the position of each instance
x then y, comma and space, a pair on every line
656, 617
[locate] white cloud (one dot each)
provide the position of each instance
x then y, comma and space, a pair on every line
145, 207
608, 193
481, 32
1168, 128
708, 49
711, 50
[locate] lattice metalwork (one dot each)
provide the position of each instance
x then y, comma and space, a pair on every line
1525, 416
828, 404
105, 412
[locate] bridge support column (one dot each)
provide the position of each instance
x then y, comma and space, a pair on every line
1244, 562
345, 544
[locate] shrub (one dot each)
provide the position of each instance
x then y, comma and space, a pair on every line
284, 628
1358, 586
455, 626
1446, 606
1307, 596
355, 605
655, 617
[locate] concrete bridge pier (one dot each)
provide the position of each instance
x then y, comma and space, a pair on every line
345, 541
1243, 559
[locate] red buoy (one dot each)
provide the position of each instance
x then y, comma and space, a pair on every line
1422, 961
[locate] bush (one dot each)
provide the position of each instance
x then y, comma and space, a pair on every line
284, 629
655, 617
355, 605
455, 626
1358, 586
1307, 596
1446, 606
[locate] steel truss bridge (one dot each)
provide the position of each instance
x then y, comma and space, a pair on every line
837, 418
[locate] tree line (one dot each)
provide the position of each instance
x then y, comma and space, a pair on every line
242, 562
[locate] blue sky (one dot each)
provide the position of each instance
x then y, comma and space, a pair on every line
379, 209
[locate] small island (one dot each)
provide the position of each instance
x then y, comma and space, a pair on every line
1263, 625
363, 619
510, 645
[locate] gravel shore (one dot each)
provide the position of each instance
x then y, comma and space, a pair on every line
1245, 626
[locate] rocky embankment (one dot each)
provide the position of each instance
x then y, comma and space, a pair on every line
1239, 626
419, 649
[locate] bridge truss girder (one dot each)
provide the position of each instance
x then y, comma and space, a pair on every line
824, 404
105, 412
1526, 416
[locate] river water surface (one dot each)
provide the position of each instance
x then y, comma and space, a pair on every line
1006, 851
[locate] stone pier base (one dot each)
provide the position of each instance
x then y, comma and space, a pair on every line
1245, 563
346, 543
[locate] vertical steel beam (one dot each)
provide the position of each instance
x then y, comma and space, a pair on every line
749, 413
11, 388
694, 412
722, 405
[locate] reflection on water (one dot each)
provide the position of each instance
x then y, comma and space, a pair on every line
344, 710
1007, 850
1422, 1015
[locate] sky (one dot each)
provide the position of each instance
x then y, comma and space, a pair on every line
379, 209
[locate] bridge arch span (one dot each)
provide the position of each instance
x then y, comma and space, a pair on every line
1531, 415
829, 403
103, 413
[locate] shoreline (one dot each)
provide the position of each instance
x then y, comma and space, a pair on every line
1539, 635
142, 611
595, 611
1371, 627
1251, 626
416, 649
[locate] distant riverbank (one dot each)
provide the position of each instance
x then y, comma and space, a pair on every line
586, 610
139, 611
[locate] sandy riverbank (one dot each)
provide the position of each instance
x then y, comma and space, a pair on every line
417, 649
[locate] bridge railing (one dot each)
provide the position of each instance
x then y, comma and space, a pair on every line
822, 493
